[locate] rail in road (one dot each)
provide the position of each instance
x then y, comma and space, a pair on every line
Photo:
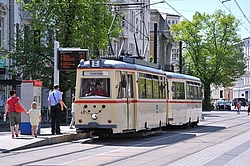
217, 134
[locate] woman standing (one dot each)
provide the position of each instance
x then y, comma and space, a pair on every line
14, 117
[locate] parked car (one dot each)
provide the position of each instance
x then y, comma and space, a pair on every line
242, 101
219, 105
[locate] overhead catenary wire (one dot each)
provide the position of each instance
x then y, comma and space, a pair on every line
175, 10
222, 2
242, 11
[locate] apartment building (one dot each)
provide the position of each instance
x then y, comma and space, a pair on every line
160, 43
242, 85
175, 51
9, 22
134, 39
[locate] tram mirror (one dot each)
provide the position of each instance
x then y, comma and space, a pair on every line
124, 83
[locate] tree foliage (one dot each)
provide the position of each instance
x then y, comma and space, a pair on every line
74, 23
213, 49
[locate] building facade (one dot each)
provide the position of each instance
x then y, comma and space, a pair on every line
134, 39
9, 21
241, 88
160, 43
175, 51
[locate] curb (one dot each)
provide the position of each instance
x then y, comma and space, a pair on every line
51, 141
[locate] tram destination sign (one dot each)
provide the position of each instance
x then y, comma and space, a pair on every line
69, 58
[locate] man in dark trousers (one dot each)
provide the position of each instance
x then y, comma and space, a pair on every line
56, 107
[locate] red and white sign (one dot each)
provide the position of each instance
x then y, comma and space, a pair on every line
35, 82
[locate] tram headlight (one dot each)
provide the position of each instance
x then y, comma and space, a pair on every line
94, 116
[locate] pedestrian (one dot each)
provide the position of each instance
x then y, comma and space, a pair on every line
35, 118
72, 113
56, 107
14, 117
65, 107
224, 104
238, 107
235, 103
248, 109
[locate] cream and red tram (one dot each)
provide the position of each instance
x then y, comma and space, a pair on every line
184, 101
139, 97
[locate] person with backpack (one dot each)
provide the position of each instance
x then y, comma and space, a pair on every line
238, 107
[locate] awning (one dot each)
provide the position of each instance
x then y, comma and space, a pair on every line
10, 82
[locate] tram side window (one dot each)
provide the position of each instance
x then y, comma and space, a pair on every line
178, 90
130, 86
190, 90
149, 86
119, 89
195, 91
162, 87
142, 89
156, 94
98, 87
199, 92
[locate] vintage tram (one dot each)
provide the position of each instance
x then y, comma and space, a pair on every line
131, 96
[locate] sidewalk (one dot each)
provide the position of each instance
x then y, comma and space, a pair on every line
45, 138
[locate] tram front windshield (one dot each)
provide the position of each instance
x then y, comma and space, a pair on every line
95, 88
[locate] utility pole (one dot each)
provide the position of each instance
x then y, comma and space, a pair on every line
180, 57
155, 43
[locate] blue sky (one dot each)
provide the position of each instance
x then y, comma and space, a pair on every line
187, 8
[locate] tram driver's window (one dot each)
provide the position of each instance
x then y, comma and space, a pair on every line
97, 87
85, 87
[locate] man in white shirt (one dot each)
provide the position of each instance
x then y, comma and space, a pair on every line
55, 104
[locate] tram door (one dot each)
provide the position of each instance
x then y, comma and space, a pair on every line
126, 93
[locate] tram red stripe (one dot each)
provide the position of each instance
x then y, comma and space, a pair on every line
175, 101
134, 101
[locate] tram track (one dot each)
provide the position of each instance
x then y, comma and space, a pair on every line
195, 129
103, 143
233, 126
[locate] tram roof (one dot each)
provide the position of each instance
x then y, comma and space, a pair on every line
108, 63
181, 76
130, 65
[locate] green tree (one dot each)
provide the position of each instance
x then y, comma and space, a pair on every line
213, 49
74, 23
33, 59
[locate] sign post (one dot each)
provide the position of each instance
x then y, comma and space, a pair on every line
56, 71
